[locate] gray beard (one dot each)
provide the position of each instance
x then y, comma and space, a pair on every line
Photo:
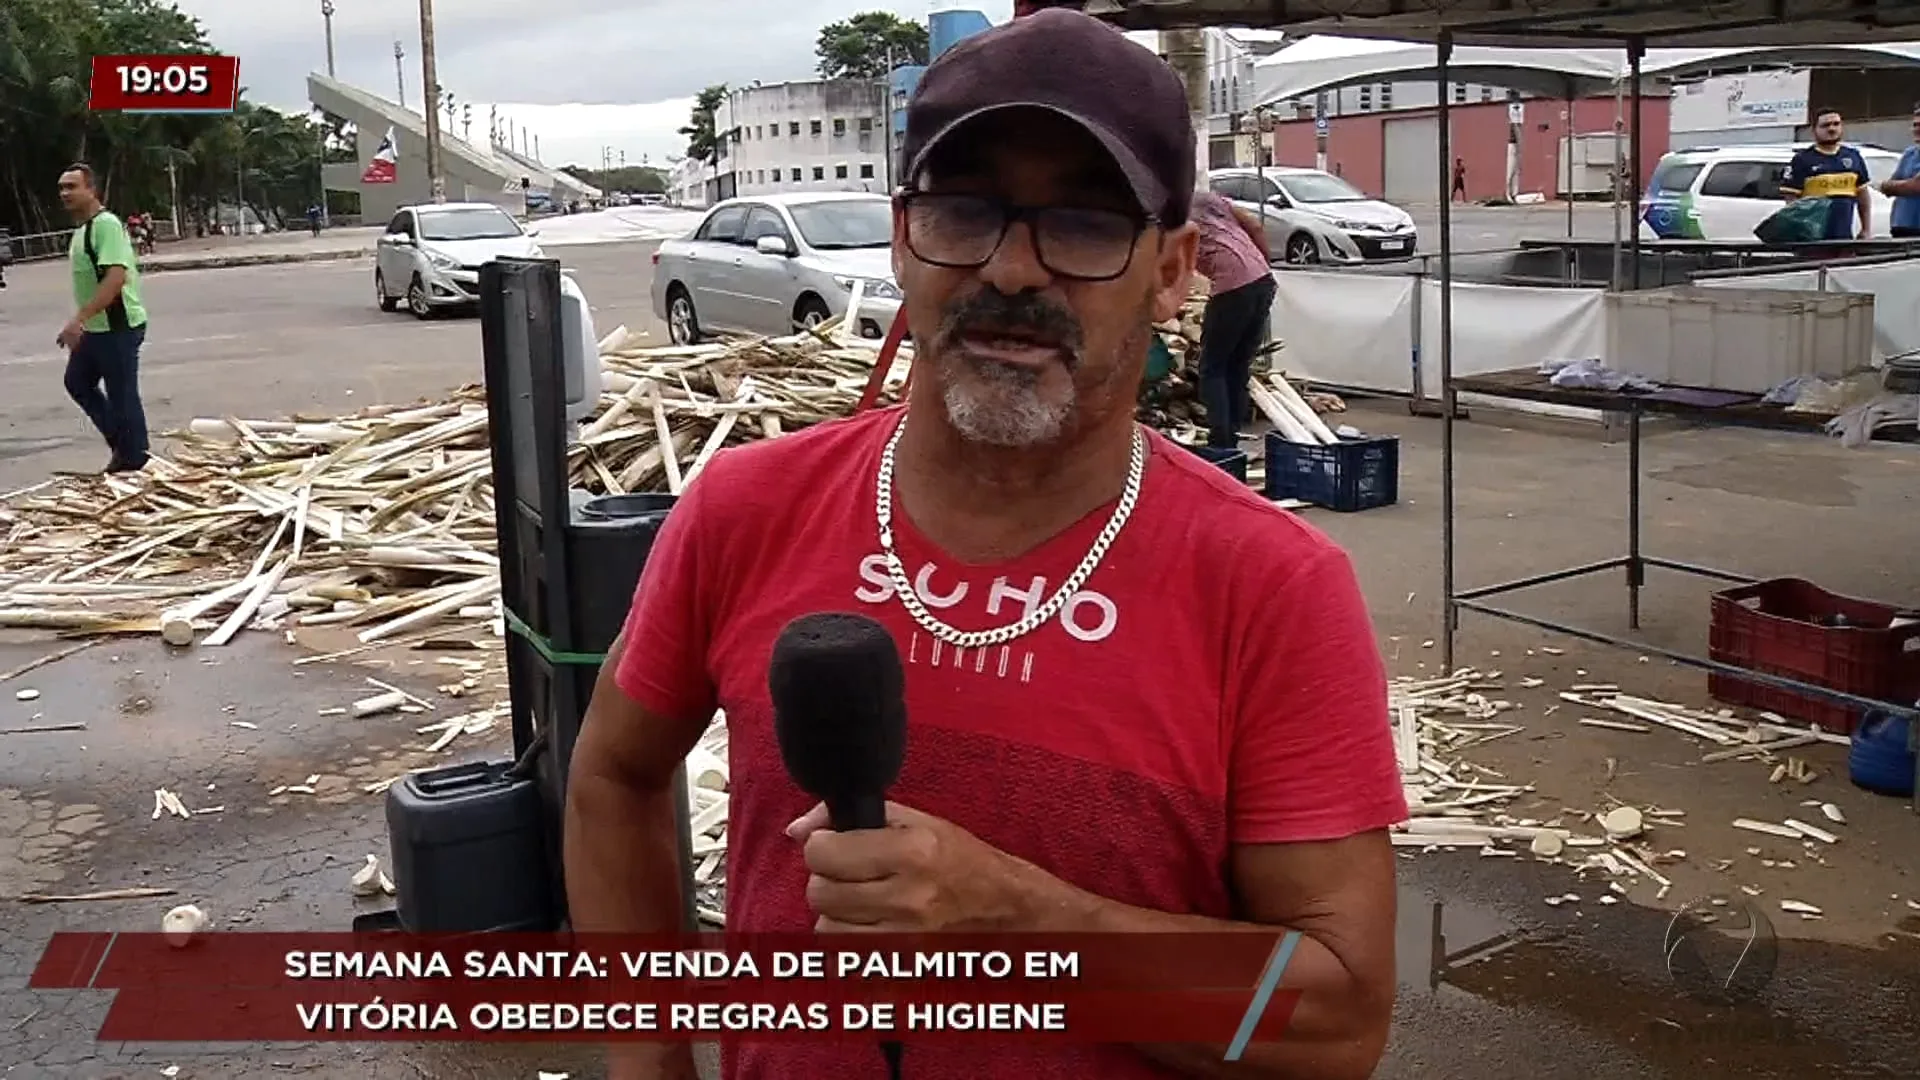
997, 407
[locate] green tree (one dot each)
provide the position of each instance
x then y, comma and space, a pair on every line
638, 179
46, 51
703, 143
869, 45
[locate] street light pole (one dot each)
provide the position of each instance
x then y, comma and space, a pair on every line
399, 73
436, 183
326, 12
326, 15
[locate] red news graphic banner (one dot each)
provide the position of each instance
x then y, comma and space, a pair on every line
182, 83
1080, 988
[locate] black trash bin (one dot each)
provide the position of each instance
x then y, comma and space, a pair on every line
469, 851
610, 538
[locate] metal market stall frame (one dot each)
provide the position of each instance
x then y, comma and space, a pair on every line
1545, 23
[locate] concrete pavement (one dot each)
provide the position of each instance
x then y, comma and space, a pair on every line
1575, 992
272, 339
220, 252
612, 226
1476, 228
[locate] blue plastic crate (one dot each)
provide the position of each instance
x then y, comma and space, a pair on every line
1354, 474
1233, 461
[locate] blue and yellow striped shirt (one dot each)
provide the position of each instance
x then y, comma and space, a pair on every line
1837, 177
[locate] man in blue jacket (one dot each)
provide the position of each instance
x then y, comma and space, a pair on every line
1834, 172
1905, 187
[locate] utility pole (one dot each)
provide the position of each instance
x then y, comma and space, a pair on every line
399, 73
173, 190
886, 121
493, 125
436, 183
326, 12
1186, 53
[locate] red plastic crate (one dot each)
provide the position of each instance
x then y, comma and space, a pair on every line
1775, 627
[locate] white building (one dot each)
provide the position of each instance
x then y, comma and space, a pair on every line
1230, 92
690, 183
802, 136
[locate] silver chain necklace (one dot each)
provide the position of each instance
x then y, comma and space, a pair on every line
979, 639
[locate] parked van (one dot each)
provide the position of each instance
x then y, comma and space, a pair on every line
1722, 193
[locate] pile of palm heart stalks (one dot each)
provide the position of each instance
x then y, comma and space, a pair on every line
1172, 402
381, 522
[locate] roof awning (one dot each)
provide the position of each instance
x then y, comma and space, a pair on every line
1543, 23
1327, 62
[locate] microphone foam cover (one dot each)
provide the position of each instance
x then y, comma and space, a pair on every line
839, 707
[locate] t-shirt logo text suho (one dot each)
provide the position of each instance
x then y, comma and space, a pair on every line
1089, 616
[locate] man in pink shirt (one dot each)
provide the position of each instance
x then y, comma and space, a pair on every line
1140, 697
1233, 258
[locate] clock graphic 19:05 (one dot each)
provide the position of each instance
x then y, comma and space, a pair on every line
179, 84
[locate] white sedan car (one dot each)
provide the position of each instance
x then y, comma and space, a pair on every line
767, 264
1316, 217
431, 254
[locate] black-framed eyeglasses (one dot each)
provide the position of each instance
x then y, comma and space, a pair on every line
963, 231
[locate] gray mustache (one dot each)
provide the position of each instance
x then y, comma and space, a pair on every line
990, 310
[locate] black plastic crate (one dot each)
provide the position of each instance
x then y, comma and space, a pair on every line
1353, 474
1233, 461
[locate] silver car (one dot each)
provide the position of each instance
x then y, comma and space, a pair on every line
769, 264
1316, 217
430, 255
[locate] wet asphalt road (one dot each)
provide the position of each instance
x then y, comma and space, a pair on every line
268, 340
1574, 992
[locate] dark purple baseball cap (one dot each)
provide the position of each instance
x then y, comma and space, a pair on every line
1081, 69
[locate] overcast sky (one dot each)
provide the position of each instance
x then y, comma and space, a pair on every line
579, 73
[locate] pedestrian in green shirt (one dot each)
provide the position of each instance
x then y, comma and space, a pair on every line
104, 336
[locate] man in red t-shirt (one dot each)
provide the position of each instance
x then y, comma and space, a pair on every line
1181, 724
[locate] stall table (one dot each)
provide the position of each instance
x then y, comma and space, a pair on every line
1530, 385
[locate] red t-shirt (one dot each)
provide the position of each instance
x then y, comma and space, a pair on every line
1216, 682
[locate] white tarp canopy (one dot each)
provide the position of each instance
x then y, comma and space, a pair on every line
1328, 62
1685, 63
1541, 23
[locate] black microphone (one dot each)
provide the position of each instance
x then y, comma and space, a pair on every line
840, 713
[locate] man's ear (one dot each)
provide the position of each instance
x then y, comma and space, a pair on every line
1173, 271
